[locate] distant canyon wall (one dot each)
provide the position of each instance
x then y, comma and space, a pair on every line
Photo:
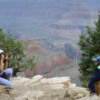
44, 67
48, 59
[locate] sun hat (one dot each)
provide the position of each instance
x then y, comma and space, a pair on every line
1, 51
96, 58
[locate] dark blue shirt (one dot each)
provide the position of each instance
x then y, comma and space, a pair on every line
97, 72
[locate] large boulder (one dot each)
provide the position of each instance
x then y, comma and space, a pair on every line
97, 87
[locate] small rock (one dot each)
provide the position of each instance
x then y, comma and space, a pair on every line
76, 92
38, 77
78, 96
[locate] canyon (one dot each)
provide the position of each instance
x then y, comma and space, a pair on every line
64, 33
55, 26
50, 63
53, 23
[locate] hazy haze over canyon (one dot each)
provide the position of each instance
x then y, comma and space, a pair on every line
55, 25
32, 18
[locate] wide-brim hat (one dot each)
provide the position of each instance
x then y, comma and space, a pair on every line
1, 51
96, 58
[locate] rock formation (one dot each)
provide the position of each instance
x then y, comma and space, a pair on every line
47, 59
77, 9
74, 19
39, 88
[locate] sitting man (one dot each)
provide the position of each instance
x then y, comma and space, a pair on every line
96, 76
5, 72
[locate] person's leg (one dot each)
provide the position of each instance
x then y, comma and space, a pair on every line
8, 73
91, 84
4, 82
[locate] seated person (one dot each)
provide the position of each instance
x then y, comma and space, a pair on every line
96, 76
5, 72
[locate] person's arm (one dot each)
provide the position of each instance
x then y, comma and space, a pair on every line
1, 63
6, 64
1, 66
6, 61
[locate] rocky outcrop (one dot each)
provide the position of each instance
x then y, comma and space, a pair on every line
76, 15
40, 88
77, 9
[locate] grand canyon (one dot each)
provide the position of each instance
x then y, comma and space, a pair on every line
51, 28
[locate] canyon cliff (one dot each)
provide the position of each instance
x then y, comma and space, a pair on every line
47, 59
73, 20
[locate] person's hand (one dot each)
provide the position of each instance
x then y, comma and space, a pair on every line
6, 55
2, 56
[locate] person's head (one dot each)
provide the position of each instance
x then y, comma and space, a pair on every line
96, 60
95, 63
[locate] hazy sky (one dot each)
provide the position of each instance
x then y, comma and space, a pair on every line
63, 1
92, 3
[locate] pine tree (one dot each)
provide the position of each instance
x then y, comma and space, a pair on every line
16, 54
90, 47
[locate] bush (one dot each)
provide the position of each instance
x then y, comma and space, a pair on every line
90, 47
16, 55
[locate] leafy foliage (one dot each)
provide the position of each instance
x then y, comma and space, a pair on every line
90, 47
16, 55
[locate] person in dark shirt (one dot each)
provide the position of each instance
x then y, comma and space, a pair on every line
96, 76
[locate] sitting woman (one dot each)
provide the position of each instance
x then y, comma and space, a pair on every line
5, 72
